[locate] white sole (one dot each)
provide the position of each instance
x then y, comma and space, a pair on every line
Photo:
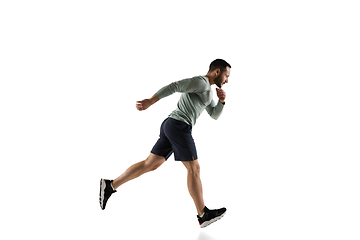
207, 223
102, 192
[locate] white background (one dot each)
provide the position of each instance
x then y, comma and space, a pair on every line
283, 157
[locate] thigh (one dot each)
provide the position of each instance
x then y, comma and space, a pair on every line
179, 135
163, 146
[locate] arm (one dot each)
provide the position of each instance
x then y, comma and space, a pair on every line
186, 85
215, 110
189, 85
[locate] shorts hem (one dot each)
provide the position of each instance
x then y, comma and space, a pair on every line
189, 160
161, 155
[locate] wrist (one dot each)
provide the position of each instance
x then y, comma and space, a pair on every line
154, 99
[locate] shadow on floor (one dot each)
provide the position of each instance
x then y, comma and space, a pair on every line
204, 236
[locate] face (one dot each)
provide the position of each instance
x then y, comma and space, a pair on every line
222, 78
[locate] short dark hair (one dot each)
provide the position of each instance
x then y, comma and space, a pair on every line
218, 63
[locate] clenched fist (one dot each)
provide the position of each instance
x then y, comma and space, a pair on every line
221, 94
144, 104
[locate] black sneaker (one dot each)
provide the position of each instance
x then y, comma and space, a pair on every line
105, 192
211, 216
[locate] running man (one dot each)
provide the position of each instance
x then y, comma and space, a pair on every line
175, 135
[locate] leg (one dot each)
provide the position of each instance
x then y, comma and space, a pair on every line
151, 163
194, 184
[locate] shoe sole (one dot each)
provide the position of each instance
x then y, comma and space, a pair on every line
207, 223
102, 193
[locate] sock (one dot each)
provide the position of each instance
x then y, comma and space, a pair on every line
202, 215
112, 185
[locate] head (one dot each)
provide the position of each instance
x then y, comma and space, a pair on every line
220, 70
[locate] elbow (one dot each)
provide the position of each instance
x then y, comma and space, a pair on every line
215, 117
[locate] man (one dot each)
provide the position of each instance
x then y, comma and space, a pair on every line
175, 135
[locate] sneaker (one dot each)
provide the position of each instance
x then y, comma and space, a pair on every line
105, 192
211, 216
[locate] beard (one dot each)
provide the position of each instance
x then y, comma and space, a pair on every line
218, 81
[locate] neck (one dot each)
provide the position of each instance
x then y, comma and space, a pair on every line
211, 78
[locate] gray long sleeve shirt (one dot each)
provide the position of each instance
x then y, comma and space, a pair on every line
196, 96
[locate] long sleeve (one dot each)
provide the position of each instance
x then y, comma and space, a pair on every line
189, 85
196, 96
215, 110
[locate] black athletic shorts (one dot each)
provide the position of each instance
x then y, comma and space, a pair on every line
175, 137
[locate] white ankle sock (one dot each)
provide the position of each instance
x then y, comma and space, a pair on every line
202, 215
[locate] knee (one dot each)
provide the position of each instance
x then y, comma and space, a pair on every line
194, 169
150, 165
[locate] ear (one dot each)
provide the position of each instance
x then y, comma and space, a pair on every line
217, 71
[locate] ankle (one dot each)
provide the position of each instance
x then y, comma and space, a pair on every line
201, 212
112, 186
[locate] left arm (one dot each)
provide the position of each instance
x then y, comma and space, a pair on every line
215, 110
186, 85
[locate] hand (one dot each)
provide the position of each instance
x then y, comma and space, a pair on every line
143, 105
221, 94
